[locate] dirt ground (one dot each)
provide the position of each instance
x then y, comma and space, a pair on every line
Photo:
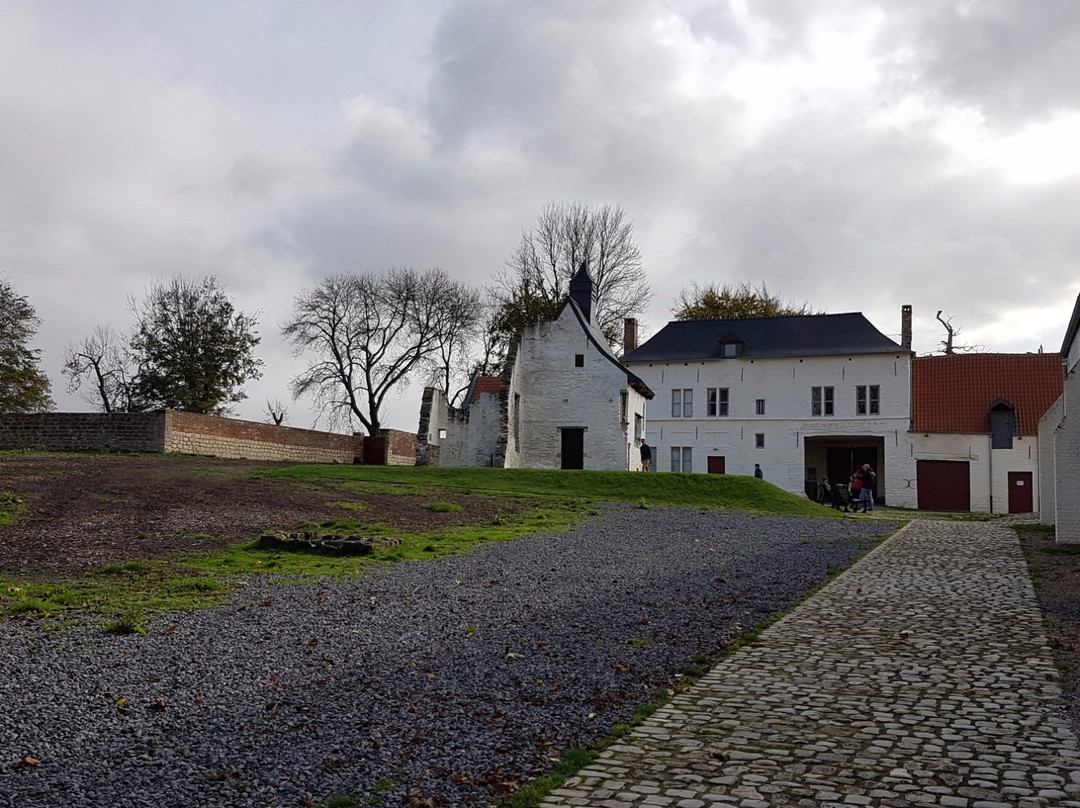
88, 511
1055, 570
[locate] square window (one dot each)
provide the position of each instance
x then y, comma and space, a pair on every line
579, 360
682, 458
442, 434
759, 440
729, 350
717, 402
759, 406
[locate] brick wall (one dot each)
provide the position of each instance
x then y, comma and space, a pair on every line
400, 447
84, 431
190, 433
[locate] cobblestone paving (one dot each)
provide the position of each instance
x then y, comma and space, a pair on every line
919, 677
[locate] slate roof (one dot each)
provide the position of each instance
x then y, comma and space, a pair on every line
598, 340
954, 393
761, 337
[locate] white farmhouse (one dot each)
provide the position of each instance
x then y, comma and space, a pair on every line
563, 401
805, 397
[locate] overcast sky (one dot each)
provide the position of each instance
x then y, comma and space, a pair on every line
856, 155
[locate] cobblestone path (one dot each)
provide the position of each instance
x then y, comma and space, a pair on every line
919, 677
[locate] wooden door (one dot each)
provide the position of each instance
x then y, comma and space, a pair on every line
573, 447
1021, 496
944, 485
716, 465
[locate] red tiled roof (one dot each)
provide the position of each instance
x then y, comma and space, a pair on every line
955, 393
485, 384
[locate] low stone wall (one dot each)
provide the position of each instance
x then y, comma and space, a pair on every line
190, 433
84, 431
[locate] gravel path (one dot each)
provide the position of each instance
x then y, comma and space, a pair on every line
446, 681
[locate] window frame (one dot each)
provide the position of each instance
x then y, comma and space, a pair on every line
682, 459
716, 402
682, 402
759, 406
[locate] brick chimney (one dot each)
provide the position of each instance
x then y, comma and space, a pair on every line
629, 335
905, 327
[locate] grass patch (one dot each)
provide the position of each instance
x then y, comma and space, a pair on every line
12, 508
355, 506
443, 507
712, 491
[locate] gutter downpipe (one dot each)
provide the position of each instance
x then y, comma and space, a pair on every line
990, 444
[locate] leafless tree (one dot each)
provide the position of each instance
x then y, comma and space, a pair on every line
457, 319
536, 278
101, 361
948, 346
367, 334
275, 411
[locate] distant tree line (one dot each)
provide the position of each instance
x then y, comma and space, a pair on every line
362, 335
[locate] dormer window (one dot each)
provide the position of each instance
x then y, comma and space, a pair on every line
729, 350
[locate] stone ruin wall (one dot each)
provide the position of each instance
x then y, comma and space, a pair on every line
191, 433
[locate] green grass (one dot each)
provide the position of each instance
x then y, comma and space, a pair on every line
559, 499
723, 491
12, 508
443, 507
204, 580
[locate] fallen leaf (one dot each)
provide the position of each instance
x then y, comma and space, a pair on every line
26, 760
120, 702
515, 655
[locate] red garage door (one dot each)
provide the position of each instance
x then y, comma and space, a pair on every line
944, 485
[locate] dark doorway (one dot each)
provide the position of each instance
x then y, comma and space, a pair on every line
944, 485
573, 447
716, 465
375, 450
1021, 497
841, 462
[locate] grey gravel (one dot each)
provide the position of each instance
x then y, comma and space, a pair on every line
438, 680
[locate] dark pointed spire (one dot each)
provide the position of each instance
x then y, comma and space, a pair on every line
581, 290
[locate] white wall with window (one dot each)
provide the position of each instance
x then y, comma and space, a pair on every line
784, 401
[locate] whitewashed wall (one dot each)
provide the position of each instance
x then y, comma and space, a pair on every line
785, 384
1048, 425
988, 474
556, 394
1067, 454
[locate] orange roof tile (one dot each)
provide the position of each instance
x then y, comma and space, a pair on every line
955, 393
484, 384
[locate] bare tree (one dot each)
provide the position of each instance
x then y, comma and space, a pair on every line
367, 334
458, 323
275, 411
948, 346
536, 278
100, 360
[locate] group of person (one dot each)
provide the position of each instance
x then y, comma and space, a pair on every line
861, 490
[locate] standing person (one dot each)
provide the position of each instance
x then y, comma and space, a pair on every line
646, 455
869, 487
856, 489
758, 472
